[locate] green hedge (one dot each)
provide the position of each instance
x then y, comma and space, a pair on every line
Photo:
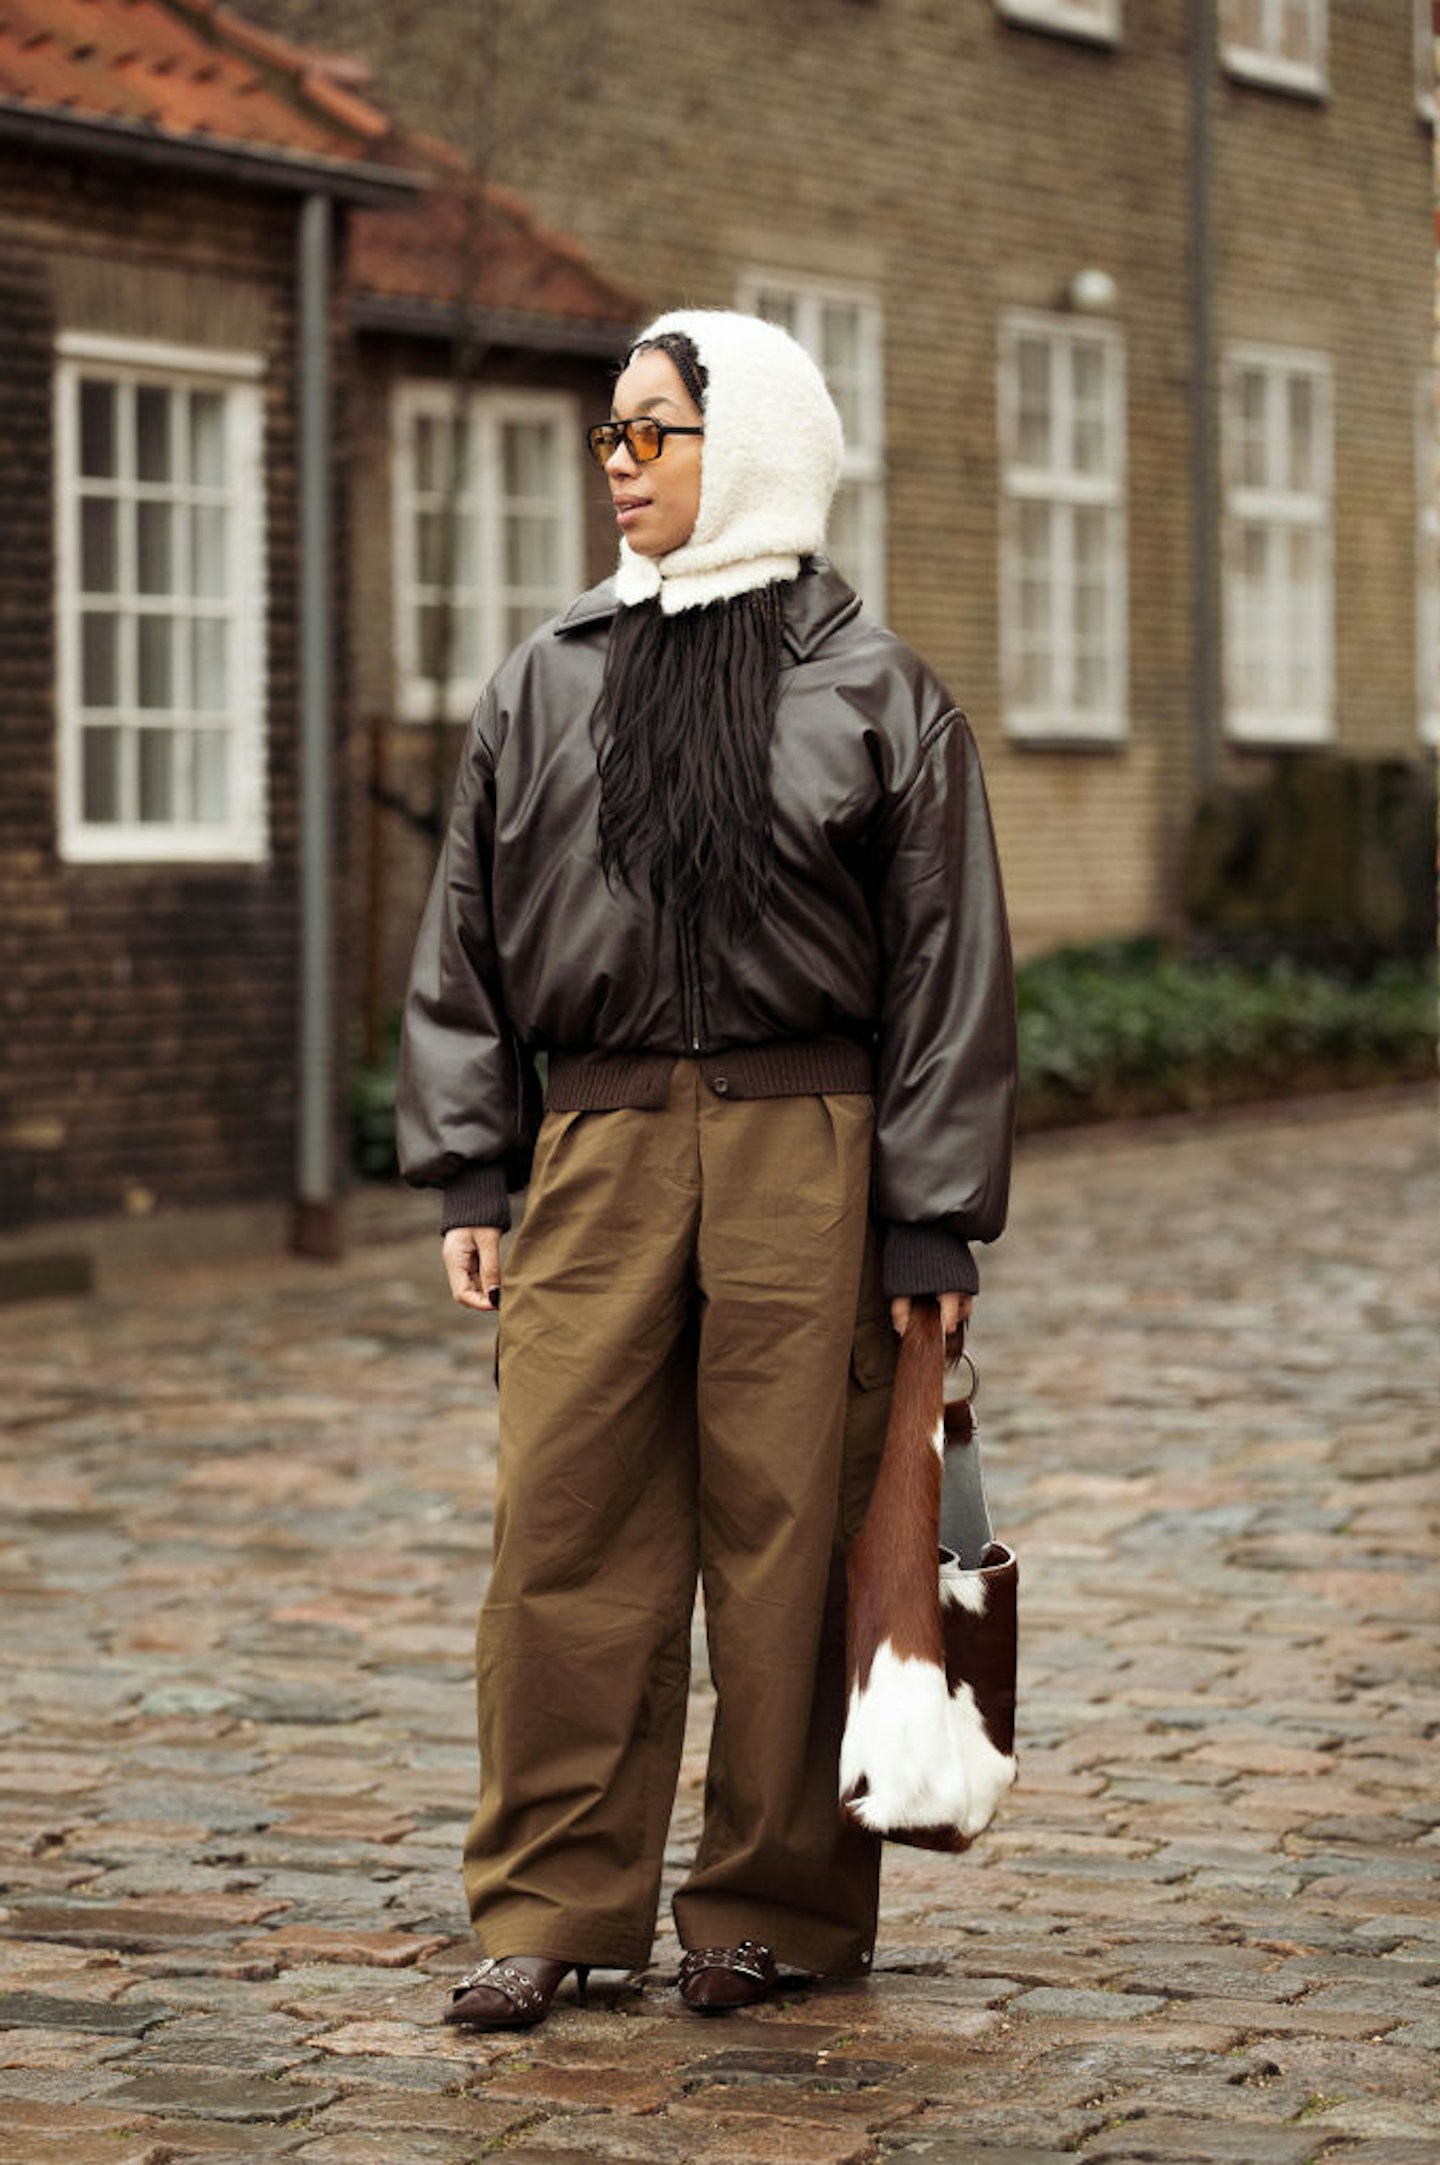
1130, 1027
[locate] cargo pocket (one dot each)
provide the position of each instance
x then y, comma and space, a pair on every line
873, 1353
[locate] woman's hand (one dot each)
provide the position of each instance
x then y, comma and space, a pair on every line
954, 1310
471, 1255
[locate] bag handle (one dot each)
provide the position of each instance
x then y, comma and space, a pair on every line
965, 1528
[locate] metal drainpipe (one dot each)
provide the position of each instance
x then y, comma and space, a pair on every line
1204, 541
316, 1226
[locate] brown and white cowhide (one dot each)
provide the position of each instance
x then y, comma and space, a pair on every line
929, 1744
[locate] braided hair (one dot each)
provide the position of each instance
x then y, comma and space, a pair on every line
683, 728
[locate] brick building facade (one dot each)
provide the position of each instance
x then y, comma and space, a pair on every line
206, 399
989, 220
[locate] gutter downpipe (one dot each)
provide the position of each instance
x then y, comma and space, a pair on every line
316, 1223
1204, 538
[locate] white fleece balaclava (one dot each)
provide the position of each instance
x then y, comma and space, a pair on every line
770, 464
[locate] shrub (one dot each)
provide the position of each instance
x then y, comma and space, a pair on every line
1127, 1027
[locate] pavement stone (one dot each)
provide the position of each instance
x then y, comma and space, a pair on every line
248, 1515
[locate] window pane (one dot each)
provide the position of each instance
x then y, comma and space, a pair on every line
152, 432
99, 660
1090, 528
528, 451
210, 531
433, 441
210, 775
1090, 595
1088, 384
1297, 27
157, 774
98, 435
841, 358
99, 545
842, 542
157, 661
431, 566
781, 308
100, 775
154, 549
1037, 677
1091, 679
207, 439
1036, 540
209, 657
532, 552
1033, 375
1300, 408
1251, 408
436, 639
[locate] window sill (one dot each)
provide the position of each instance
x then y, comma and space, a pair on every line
1048, 733
163, 846
1278, 733
1059, 23
1288, 78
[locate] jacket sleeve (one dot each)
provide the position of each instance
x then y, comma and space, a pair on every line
467, 1100
945, 1091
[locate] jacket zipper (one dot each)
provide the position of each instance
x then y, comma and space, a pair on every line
692, 999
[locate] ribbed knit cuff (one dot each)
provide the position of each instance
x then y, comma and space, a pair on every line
920, 1259
476, 1197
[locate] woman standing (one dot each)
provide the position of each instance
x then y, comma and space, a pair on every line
720, 850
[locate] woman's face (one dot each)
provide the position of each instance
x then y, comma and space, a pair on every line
656, 504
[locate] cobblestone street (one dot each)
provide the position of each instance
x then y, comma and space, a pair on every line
246, 1528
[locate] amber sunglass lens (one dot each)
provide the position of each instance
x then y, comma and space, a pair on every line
645, 440
602, 440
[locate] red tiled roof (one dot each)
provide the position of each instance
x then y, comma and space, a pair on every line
192, 72
184, 68
481, 241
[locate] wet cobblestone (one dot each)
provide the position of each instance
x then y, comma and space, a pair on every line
247, 1519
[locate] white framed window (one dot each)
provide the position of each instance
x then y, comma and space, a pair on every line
1427, 565
842, 328
1278, 547
1278, 42
160, 527
1098, 20
1425, 59
488, 517
1063, 576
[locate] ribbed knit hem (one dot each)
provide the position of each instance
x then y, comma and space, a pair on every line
608, 1082
918, 1259
476, 1197
603, 1082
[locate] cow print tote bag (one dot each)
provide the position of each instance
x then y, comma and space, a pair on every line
929, 1744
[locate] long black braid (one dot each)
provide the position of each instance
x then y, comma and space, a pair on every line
683, 729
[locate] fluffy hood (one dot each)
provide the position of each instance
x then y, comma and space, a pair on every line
770, 465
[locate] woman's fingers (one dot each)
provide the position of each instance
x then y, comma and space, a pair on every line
471, 1255
954, 1310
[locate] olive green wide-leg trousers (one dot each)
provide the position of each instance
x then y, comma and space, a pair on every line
694, 1373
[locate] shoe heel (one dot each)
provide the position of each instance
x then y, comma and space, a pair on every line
582, 1980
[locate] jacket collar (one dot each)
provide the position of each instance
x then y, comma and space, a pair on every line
815, 604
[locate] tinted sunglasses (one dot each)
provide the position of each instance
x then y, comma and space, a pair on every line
644, 439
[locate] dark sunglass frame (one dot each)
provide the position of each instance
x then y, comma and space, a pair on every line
606, 437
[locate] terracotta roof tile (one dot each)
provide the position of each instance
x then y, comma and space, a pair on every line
187, 68
479, 239
196, 71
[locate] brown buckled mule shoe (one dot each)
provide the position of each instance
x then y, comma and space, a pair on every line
511, 1994
715, 1980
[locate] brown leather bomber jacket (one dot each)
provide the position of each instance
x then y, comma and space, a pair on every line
883, 960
